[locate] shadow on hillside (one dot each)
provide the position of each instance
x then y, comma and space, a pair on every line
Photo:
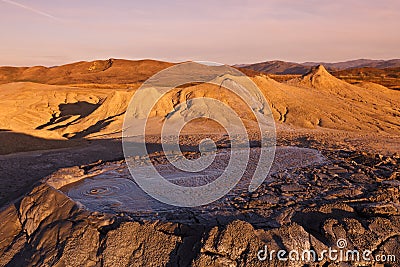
96, 128
80, 108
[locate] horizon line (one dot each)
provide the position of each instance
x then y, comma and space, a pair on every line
177, 62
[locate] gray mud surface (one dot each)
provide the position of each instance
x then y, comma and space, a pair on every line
110, 187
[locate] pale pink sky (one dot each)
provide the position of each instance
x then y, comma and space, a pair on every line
45, 32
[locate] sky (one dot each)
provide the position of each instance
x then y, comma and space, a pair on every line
54, 32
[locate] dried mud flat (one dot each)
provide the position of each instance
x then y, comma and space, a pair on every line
346, 194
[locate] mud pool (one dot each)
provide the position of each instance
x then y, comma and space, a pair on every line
111, 188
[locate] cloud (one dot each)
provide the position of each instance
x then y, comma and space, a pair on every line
34, 10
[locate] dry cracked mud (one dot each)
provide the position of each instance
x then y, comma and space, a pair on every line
348, 195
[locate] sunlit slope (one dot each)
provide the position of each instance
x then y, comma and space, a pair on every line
320, 100
51, 111
111, 71
316, 100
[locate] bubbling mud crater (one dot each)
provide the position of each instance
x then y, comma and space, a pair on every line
110, 188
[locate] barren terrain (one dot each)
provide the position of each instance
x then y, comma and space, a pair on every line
64, 191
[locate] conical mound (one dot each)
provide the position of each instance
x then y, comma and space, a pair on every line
318, 77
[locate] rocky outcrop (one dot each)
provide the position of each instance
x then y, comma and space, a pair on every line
48, 229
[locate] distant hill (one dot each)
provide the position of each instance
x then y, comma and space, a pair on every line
121, 71
282, 67
358, 63
276, 67
111, 71
388, 77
